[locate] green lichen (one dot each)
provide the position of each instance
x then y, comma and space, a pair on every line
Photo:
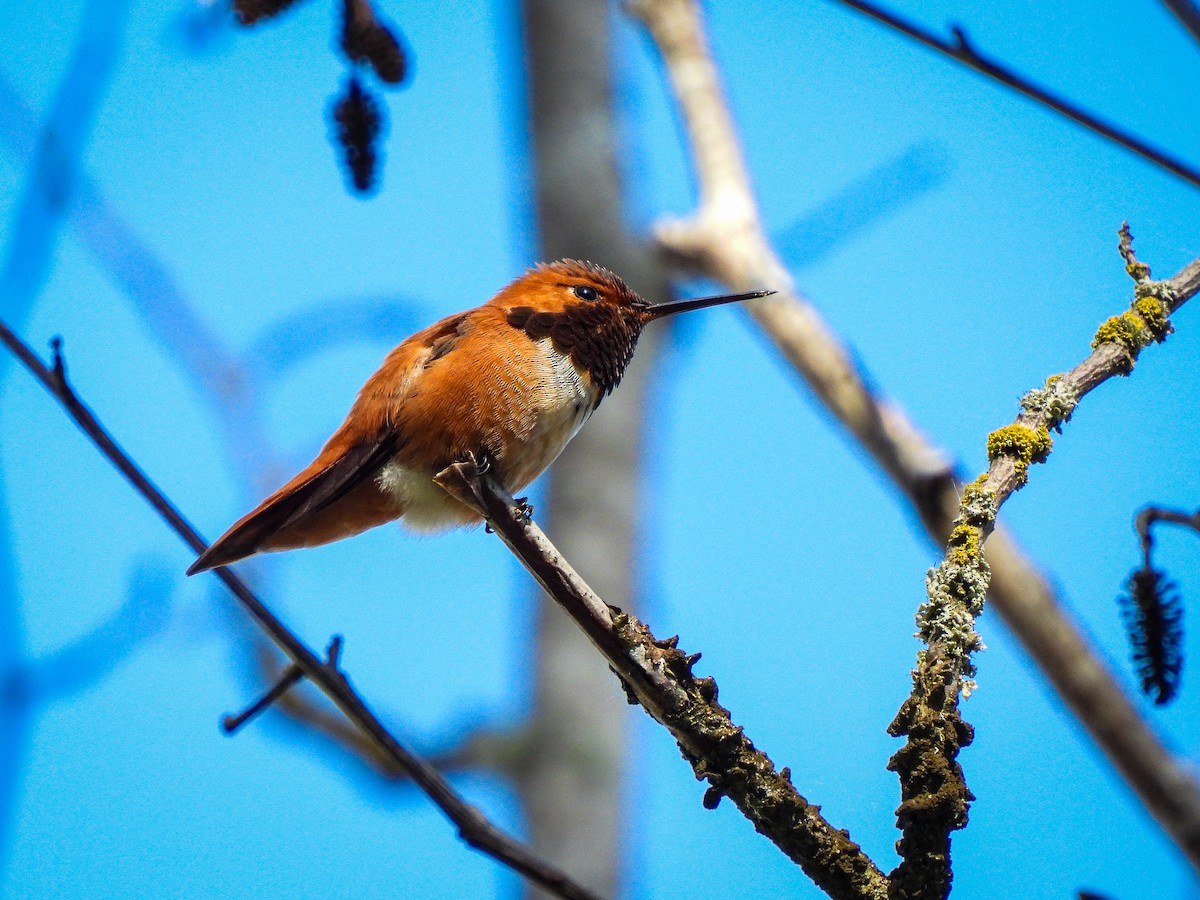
1054, 403
1020, 444
977, 504
955, 592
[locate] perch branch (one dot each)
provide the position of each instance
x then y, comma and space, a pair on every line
725, 241
658, 675
473, 826
961, 49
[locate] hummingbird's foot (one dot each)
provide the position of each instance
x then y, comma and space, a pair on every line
524, 509
482, 461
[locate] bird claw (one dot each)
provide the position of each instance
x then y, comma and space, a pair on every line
482, 462
524, 509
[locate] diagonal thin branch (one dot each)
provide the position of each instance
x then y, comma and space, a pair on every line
229, 381
725, 240
473, 826
935, 796
963, 51
658, 675
1187, 13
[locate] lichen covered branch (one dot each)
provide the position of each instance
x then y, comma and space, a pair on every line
658, 675
935, 797
725, 241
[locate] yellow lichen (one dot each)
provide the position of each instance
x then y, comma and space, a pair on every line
1127, 329
1138, 271
963, 544
1153, 313
1020, 444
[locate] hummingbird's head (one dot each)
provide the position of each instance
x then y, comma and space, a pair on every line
560, 286
589, 315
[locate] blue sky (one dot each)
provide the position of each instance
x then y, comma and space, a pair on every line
961, 239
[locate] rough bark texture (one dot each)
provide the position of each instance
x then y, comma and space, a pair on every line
657, 675
572, 785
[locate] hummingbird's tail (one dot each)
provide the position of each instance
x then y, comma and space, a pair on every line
335, 497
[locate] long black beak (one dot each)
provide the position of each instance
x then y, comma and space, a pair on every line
670, 307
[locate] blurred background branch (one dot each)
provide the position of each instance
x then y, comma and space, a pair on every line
1187, 13
962, 50
574, 782
45, 199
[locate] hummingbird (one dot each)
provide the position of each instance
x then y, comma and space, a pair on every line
508, 384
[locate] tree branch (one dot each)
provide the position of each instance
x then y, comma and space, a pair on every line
1187, 13
473, 826
724, 239
658, 675
963, 51
935, 795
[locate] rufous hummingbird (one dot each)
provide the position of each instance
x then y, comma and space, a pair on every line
508, 383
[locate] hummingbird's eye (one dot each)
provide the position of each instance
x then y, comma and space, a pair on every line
585, 292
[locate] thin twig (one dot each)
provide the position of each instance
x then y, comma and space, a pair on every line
961, 49
658, 675
473, 826
1187, 13
724, 239
1146, 519
290, 677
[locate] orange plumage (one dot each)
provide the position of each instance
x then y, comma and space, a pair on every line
511, 382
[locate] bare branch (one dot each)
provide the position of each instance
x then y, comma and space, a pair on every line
1187, 13
658, 675
290, 677
232, 383
725, 241
473, 826
962, 50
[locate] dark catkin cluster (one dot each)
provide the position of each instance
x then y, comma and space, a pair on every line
367, 40
1153, 616
356, 115
368, 44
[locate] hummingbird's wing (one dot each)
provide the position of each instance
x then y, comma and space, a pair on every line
292, 516
336, 496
